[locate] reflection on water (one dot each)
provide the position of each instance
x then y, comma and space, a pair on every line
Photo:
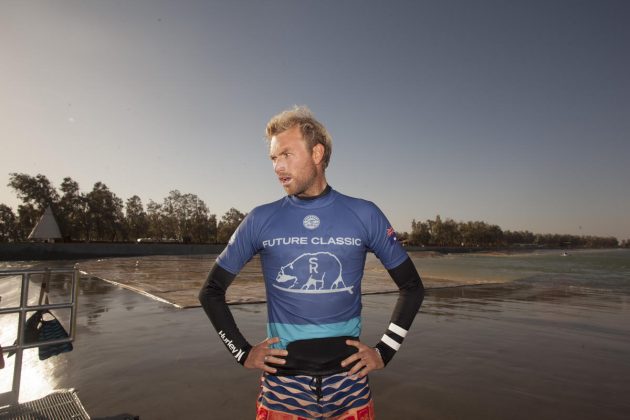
599, 266
38, 377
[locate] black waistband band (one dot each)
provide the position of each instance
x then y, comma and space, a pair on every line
316, 357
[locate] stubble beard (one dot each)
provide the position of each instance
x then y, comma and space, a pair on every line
303, 184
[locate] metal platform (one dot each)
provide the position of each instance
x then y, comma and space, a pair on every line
60, 405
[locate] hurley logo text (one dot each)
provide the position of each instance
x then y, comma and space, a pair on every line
236, 352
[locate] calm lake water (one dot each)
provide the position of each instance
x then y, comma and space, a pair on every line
553, 343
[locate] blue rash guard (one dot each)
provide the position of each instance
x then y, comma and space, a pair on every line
313, 254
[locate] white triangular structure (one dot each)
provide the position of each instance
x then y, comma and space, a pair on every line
47, 227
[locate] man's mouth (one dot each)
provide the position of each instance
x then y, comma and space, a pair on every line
284, 180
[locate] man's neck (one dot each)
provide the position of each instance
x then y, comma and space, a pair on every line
326, 189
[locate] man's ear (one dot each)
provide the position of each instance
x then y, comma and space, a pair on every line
318, 153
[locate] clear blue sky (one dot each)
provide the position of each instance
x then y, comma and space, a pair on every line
515, 113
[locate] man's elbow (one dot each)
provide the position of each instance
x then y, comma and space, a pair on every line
203, 297
420, 293
211, 291
414, 292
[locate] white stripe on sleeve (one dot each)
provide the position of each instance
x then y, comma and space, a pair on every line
390, 342
397, 330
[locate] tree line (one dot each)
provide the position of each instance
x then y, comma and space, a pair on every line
450, 233
100, 215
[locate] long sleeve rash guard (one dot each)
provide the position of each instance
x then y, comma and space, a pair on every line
313, 254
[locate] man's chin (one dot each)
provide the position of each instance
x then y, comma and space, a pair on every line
288, 189
293, 189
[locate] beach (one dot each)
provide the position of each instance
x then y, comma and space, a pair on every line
498, 336
177, 279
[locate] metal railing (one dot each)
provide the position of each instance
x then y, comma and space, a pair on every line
20, 345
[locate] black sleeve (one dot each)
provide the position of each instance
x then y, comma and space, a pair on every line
212, 298
409, 300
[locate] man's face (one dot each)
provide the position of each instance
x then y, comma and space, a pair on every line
293, 163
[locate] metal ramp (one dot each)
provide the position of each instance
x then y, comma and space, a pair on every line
62, 404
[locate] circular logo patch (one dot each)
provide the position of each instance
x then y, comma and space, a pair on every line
311, 222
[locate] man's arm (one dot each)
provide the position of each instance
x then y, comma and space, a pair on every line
212, 298
411, 295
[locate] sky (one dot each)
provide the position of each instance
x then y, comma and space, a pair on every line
516, 113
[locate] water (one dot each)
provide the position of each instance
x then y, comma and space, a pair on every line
595, 268
554, 343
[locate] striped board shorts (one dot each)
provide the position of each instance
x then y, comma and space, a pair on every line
300, 397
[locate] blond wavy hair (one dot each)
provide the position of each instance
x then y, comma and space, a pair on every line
312, 130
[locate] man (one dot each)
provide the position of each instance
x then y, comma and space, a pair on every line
312, 245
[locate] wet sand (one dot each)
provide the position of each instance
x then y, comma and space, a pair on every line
177, 279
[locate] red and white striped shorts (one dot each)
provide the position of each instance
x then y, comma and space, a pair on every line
301, 397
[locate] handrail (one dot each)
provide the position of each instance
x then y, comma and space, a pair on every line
4, 311
12, 396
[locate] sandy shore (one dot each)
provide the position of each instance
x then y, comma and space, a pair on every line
177, 279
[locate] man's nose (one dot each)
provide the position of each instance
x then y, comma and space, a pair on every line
279, 165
